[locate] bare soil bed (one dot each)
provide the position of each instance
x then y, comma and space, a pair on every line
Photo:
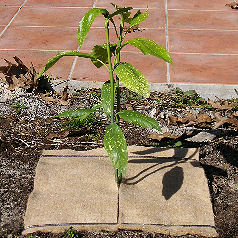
28, 127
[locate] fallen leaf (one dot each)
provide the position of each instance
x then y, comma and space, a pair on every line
178, 120
159, 137
62, 134
233, 5
222, 105
230, 120
58, 98
18, 75
203, 118
235, 114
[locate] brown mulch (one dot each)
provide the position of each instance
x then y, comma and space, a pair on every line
23, 135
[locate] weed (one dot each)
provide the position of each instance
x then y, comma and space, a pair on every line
190, 98
71, 233
77, 123
18, 106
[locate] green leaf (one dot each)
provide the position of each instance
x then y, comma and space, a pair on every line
149, 47
115, 144
138, 18
125, 14
120, 11
106, 98
79, 113
86, 22
133, 79
139, 119
99, 52
54, 59
96, 106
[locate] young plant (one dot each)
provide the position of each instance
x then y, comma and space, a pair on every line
19, 106
108, 55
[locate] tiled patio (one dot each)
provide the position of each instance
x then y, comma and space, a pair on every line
202, 37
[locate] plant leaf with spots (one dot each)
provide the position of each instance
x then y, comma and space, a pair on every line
139, 119
106, 98
120, 11
115, 145
133, 79
138, 18
54, 59
99, 52
86, 22
150, 47
79, 113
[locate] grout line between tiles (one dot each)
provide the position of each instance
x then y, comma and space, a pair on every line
202, 53
196, 10
166, 38
76, 58
94, 4
128, 51
202, 29
72, 68
19, 9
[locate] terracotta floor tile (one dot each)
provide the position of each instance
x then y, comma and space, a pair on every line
128, 3
39, 58
198, 5
183, 41
60, 3
96, 36
202, 20
69, 17
6, 14
153, 69
41, 38
11, 2
85, 71
203, 69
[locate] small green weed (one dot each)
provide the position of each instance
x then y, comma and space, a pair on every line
77, 123
33, 236
18, 106
190, 98
71, 233
95, 95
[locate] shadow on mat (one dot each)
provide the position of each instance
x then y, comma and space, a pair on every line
173, 179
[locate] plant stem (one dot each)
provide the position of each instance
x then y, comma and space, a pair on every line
117, 79
118, 177
110, 69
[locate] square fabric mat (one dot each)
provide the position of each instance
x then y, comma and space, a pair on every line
164, 191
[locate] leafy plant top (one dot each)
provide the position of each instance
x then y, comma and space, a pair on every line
108, 55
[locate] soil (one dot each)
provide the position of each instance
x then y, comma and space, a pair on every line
26, 131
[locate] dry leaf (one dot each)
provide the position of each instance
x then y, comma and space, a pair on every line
233, 5
224, 106
62, 134
58, 98
18, 75
178, 120
203, 118
190, 116
230, 120
159, 137
235, 114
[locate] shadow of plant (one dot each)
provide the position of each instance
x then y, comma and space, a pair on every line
173, 179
